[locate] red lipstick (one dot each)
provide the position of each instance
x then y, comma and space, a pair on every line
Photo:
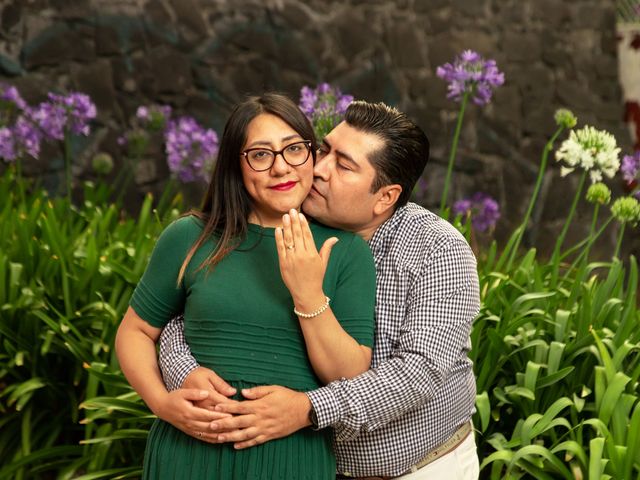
283, 187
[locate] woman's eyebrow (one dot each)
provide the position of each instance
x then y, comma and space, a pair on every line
270, 144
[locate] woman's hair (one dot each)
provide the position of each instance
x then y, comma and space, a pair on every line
227, 204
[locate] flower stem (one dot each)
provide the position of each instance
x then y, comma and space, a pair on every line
534, 197
452, 153
572, 212
67, 163
619, 242
592, 231
555, 258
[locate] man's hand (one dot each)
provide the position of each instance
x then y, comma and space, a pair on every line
271, 412
202, 378
178, 408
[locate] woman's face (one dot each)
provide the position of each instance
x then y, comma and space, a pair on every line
282, 187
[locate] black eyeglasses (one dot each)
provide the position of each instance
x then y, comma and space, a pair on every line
261, 159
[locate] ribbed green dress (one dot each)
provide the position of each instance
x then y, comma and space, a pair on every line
239, 322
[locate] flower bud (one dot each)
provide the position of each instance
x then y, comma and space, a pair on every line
102, 163
626, 210
565, 118
599, 193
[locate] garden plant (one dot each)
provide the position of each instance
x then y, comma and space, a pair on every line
556, 345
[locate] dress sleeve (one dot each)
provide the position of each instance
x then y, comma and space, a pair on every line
355, 295
157, 297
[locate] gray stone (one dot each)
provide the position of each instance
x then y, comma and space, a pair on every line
188, 14
96, 81
9, 67
521, 47
55, 45
11, 15
407, 46
171, 71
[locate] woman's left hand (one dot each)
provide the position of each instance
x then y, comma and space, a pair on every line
301, 265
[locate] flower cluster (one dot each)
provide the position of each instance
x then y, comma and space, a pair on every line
153, 117
471, 74
191, 149
630, 169
50, 120
483, 210
324, 106
594, 151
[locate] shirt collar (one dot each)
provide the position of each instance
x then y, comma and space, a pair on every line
384, 235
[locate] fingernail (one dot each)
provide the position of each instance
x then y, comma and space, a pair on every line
293, 212
213, 425
204, 393
301, 215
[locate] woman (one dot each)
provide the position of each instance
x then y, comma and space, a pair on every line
239, 269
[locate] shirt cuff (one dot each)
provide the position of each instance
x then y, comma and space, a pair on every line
326, 406
180, 369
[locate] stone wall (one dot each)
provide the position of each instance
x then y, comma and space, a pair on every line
203, 56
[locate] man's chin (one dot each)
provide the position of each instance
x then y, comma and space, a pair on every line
313, 210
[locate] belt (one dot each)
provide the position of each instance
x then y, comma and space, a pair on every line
448, 446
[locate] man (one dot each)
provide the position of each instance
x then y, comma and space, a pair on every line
409, 415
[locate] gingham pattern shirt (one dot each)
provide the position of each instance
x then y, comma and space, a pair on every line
421, 387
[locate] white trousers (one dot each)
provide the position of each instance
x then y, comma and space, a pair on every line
459, 464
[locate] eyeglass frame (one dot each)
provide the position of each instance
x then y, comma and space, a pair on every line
275, 153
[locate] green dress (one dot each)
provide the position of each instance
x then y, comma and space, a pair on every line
239, 322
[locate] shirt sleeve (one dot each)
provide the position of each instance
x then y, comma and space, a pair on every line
174, 356
434, 333
355, 294
157, 297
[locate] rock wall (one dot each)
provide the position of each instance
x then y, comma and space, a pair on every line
202, 56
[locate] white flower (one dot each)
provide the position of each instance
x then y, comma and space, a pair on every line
592, 150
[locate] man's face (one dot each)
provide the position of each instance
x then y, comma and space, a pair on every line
341, 194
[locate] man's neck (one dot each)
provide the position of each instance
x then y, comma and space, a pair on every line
367, 231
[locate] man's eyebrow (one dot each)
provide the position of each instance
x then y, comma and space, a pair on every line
269, 144
341, 154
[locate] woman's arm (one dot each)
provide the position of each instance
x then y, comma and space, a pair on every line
136, 351
333, 353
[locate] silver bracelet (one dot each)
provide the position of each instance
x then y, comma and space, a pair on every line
316, 313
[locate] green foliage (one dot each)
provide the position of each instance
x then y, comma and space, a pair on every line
556, 353
66, 276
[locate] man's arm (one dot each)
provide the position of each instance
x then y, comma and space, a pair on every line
174, 356
434, 333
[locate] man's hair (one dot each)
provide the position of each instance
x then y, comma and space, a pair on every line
406, 147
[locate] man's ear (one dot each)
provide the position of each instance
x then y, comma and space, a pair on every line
387, 198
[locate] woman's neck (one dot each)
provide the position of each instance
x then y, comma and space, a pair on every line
264, 221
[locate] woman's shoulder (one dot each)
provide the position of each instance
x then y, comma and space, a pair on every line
184, 229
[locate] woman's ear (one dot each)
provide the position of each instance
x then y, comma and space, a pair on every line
387, 198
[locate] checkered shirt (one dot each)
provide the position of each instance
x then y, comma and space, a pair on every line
421, 387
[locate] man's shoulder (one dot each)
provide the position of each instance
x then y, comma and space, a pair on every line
421, 226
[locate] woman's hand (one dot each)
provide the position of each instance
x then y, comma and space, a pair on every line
301, 265
205, 379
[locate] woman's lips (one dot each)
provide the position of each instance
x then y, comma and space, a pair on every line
282, 187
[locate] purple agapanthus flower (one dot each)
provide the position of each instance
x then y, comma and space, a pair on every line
10, 94
7, 145
27, 136
630, 166
471, 73
630, 169
154, 117
73, 112
191, 149
324, 106
483, 209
